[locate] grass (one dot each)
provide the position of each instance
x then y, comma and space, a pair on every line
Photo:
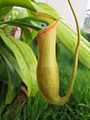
77, 108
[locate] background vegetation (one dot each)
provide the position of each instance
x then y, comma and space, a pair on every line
37, 108
78, 107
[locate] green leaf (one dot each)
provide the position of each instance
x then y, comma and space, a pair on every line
4, 11
28, 36
26, 62
7, 55
31, 22
46, 9
12, 83
11, 86
22, 3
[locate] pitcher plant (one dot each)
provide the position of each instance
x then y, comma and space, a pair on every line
47, 68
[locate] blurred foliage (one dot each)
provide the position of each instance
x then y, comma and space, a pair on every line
12, 52
85, 35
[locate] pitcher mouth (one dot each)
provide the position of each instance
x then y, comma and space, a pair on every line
47, 29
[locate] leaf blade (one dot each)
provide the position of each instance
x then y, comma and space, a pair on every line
17, 47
